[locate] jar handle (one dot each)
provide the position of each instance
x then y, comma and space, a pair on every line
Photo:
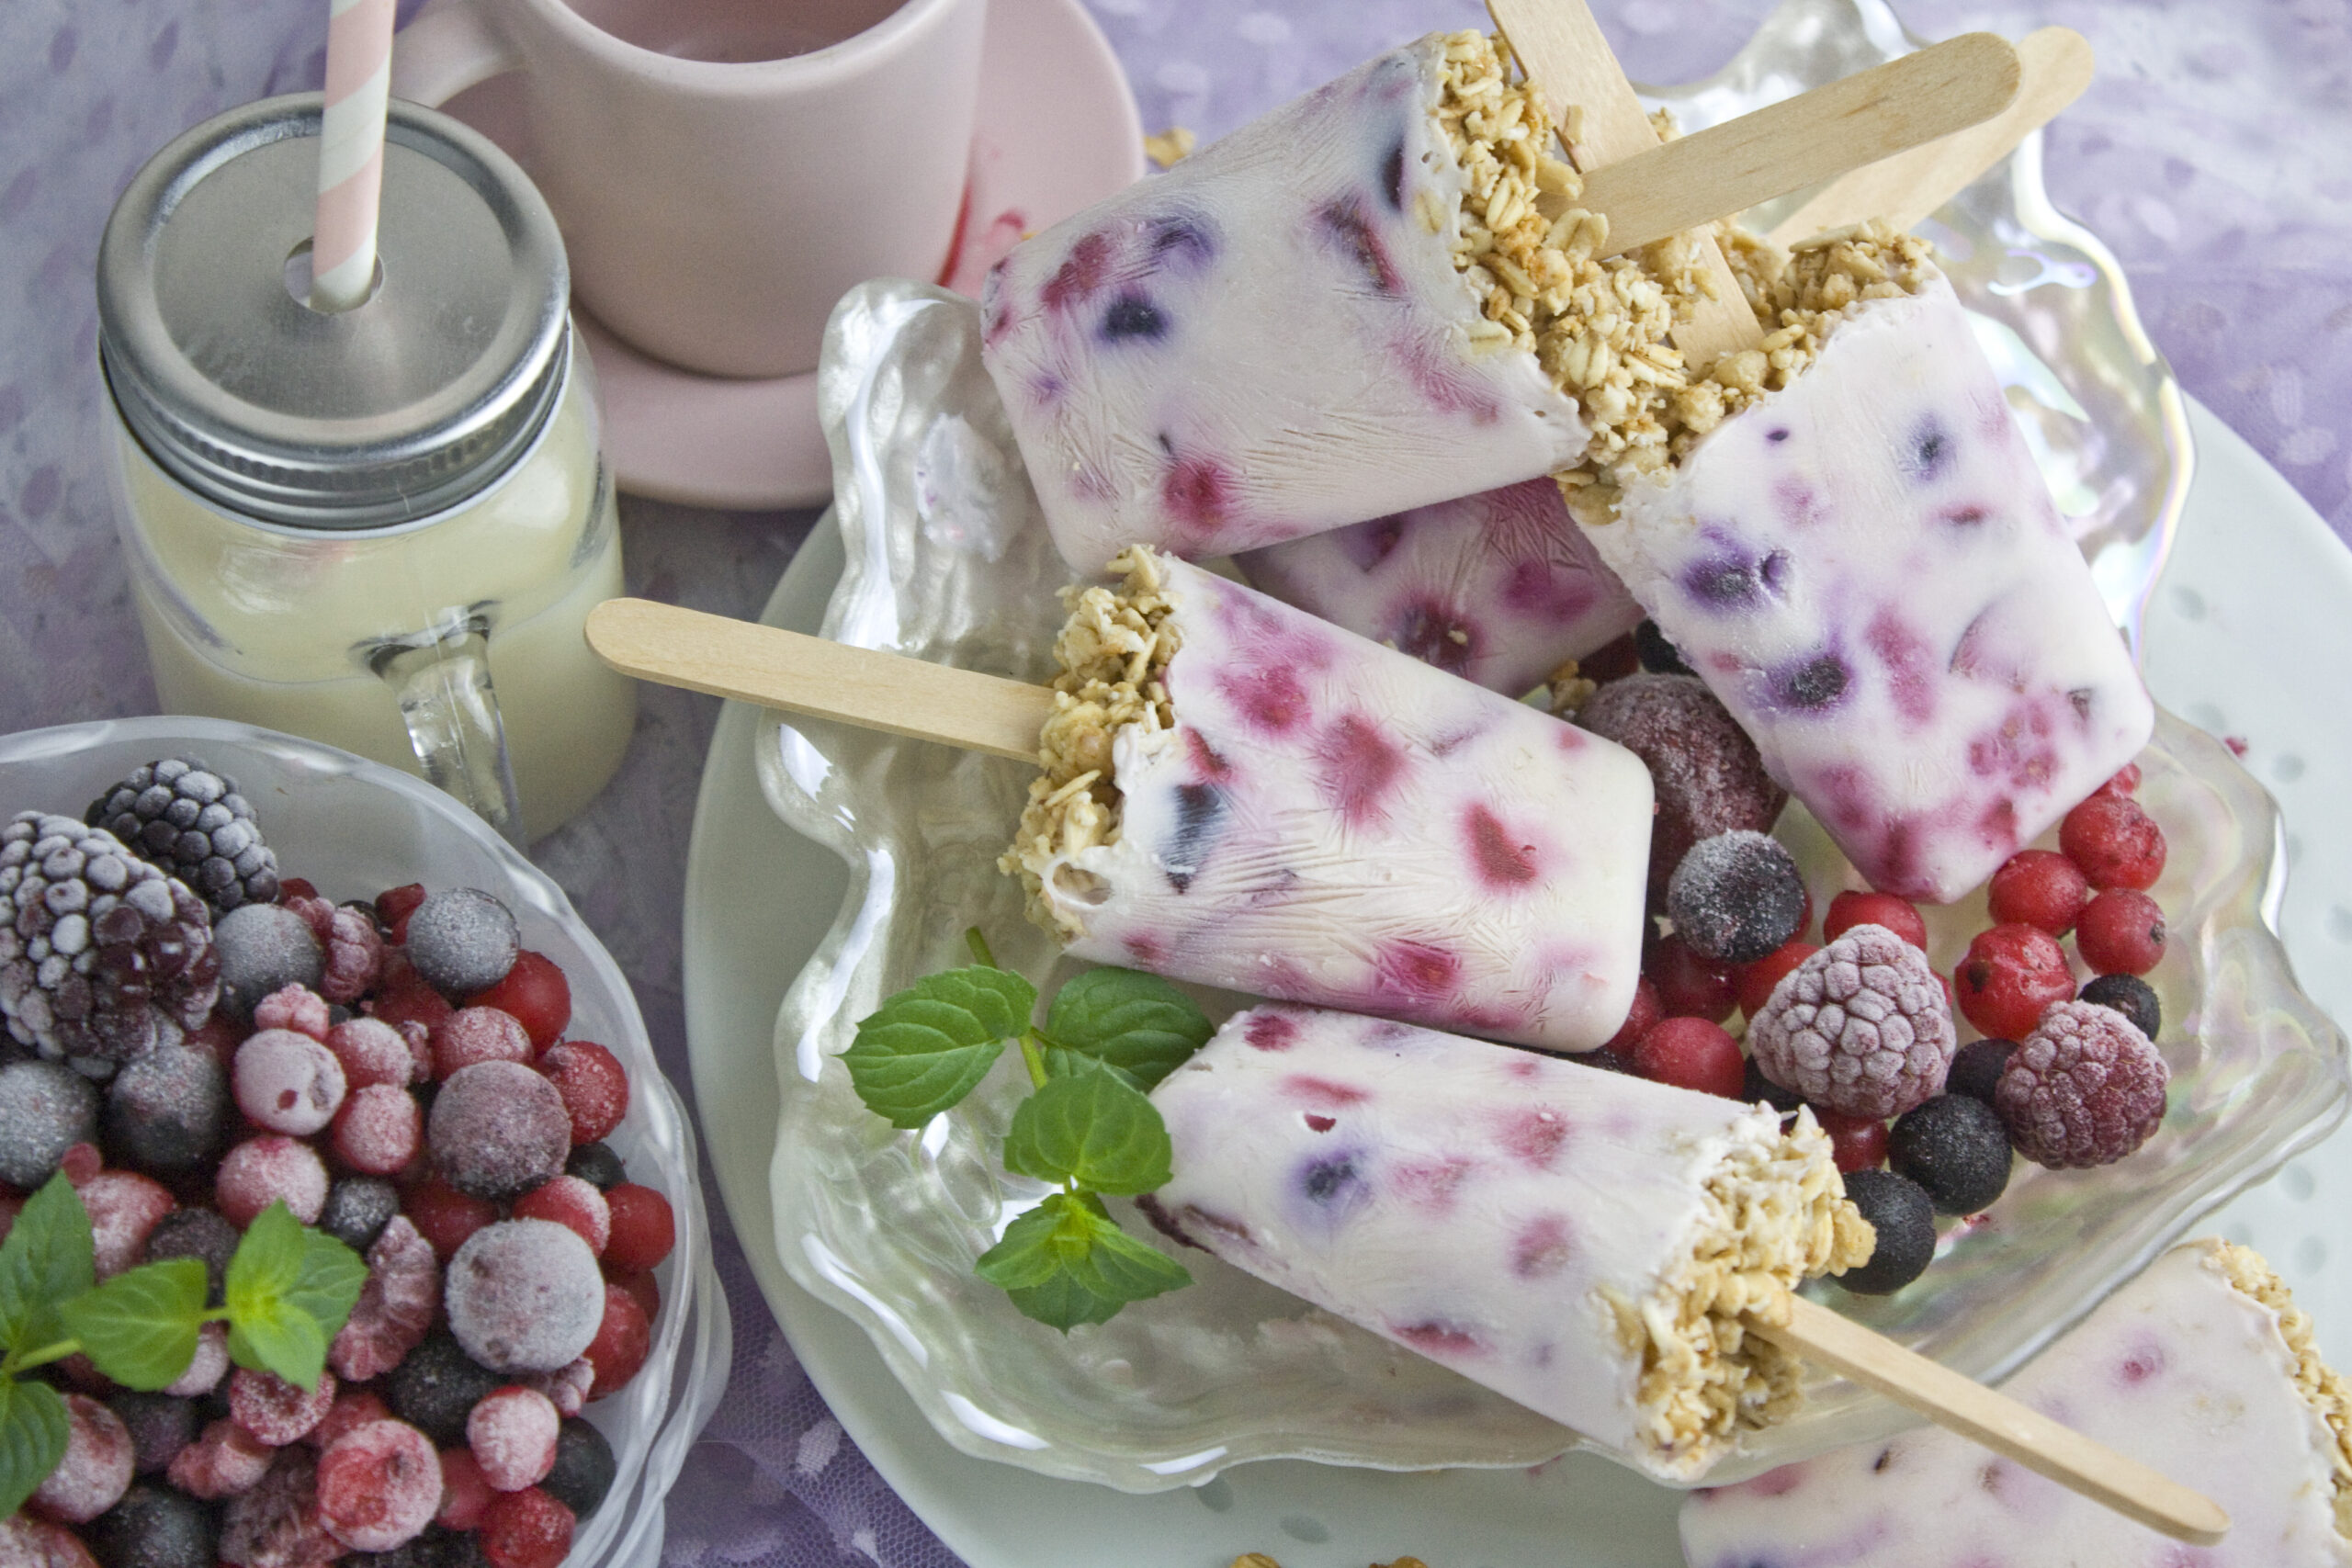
453, 46
441, 677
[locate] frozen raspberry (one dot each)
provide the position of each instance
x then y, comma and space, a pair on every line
2115, 842
526, 1530
352, 1408
512, 1433
190, 823
584, 1469
354, 955
465, 1492
2125, 781
96, 1466
1646, 1010
154, 1527
1852, 907
379, 1484
1737, 897
568, 1387
478, 1034
2009, 974
446, 1217
207, 1367
168, 1112
573, 1203
2084, 1088
1905, 1222
372, 1052
1708, 776
461, 940
402, 997
2122, 932
395, 1308
160, 1427
357, 1209
596, 1164
593, 1084
644, 1230
29, 1542
395, 905
1691, 1052
264, 1170
2131, 997
224, 1460
276, 1524
435, 1386
1861, 1027
274, 1410
102, 956
524, 1296
297, 1008
124, 1209
45, 1108
286, 1082
1687, 985
1977, 1066
536, 993
497, 1130
624, 1338
199, 1234
2038, 888
1956, 1149
378, 1130
1754, 982
263, 948
1856, 1143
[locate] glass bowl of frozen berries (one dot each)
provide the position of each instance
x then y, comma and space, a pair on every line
347, 1213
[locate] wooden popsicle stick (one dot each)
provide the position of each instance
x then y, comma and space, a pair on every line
1856, 120
1905, 188
2000, 1423
778, 668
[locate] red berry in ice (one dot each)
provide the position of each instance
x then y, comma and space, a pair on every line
1687, 985
643, 1230
264, 1170
95, 1468
1646, 1011
512, 1432
478, 1034
446, 1217
403, 996
29, 1542
1852, 907
647, 1290
1856, 1143
378, 1130
2038, 888
372, 1052
593, 1084
394, 905
286, 1082
2008, 976
2126, 781
535, 992
81, 1162
274, 1410
526, 1530
223, 1461
2115, 842
465, 1494
623, 1340
573, 1203
2084, 1088
124, 1209
297, 1008
1691, 1052
379, 1484
352, 1408
1755, 981
2122, 932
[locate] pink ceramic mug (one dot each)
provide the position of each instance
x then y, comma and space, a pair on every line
723, 169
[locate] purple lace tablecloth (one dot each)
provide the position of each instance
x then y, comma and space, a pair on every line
2209, 155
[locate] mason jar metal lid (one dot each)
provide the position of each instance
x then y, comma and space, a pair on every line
390, 412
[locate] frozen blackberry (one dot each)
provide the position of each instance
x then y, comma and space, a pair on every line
596, 1164
437, 1386
264, 948
1658, 655
1976, 1069
199, 1234
358, 1210
461, 940
189, 822
154, 1526
168, 1112
46, 1108
1707, 772
583, 1468
102, 956
1956, 1149
2128, 995
160, 1424
1737, 897
1898, 1210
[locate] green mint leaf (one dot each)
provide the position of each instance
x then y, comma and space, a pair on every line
1090, 1126
327, 1285
46, 1259
1137, 1023
281, 1341
269, 1329
139, 1328
33, 1429
1067, 1262
925, 1048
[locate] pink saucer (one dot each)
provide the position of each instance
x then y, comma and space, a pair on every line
1057, 132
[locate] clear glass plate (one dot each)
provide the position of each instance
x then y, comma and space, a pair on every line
353, 829
949, 560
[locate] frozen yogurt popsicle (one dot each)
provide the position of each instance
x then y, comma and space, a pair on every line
2201, 1367
1500, 587
1580, 1241
1865, 566
1241, 795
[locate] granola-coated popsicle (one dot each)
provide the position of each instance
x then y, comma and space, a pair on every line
1580, 1241
2201, 1367
1500, 587
1238, 793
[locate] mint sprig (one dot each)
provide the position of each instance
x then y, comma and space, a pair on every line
289, 1293
1087, 1125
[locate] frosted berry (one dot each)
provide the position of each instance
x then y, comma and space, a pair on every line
263, 948
446, 1217
624, 1338
379, 1484
81, 1162
643, 1230
533, 992
2126, 781
474, 1034
1708, 776
274, 1410
1861, 1027
593, 1084
218, 1037
1956, 1149
435, 1388
2131, 997
1852, 907
200, 1234
372, 1052
357, 1209
268, 1169
567, 1387
584, 1469
153, 1527
1977, 1066
465, 1492
1899, 1211
168, 1112
190, 823
512, 1432
395, 1308
379, 1130
1690, 986
209, 1365
286, 1082
526, 1530
572, 1203
1756, 982
2122, 932
26, 1541
96, 1466
1855, 1143
1737, 897
598, 1165
497, 1130
160, 1427
276, 1524
45, 1108
354, 955
2038, 888
352, 1407
647, 1290
124, 1209
524, 1296
2115, 842
224, 1460
1691, 1052
395, 905
297, 1008
461, 940
2008, 976
404, 996
2084, 1088
1643, 1017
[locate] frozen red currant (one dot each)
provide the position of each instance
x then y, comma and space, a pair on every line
465, 1494
536, 993
2115, 842
2009, 975
124, 1209
624, 1338
268, 1169
2126, 781
371, 1052
379, 1484
572, 1203
96, 1467
2122, 932
1756, 980
1646, 1011
394, 905
1691, 1052
274, 1410
1687, 985
593, 1084
1858, 1143
511, 1432
643, 1230
2038, 888
474, 1034
446, 1217
378, 1130
1853, 908
647, 1290
526, 1530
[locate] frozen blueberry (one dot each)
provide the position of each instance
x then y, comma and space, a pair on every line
160, 1426
1658, 655
497, 1130
1757, 1087
438, 1546
264, 948
583, 1468
1898, 1208
437, 1386
596, 1164
154, 1526
199, 1234
358, 1210
524, 1296
462, 940
1977, 1066
1737, 897
46, 1108
2128, 995
168, 1112
1956, 1149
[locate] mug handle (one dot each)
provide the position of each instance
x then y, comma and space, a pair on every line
441, 677
451, 47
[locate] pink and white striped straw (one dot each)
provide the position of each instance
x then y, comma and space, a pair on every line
351, 153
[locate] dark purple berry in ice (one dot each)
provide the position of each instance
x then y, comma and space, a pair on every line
264, 948
168, 1112
1898, 1210
160, 1426
358, 1210
584, 1470
1658, 655
1977, 1066
437, 1386
199, 1234
462, 940
2131, 997
154, 1526
524, 1296
497, 1130
1737, 897
1956, 1149
46, 1108
596, 1164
